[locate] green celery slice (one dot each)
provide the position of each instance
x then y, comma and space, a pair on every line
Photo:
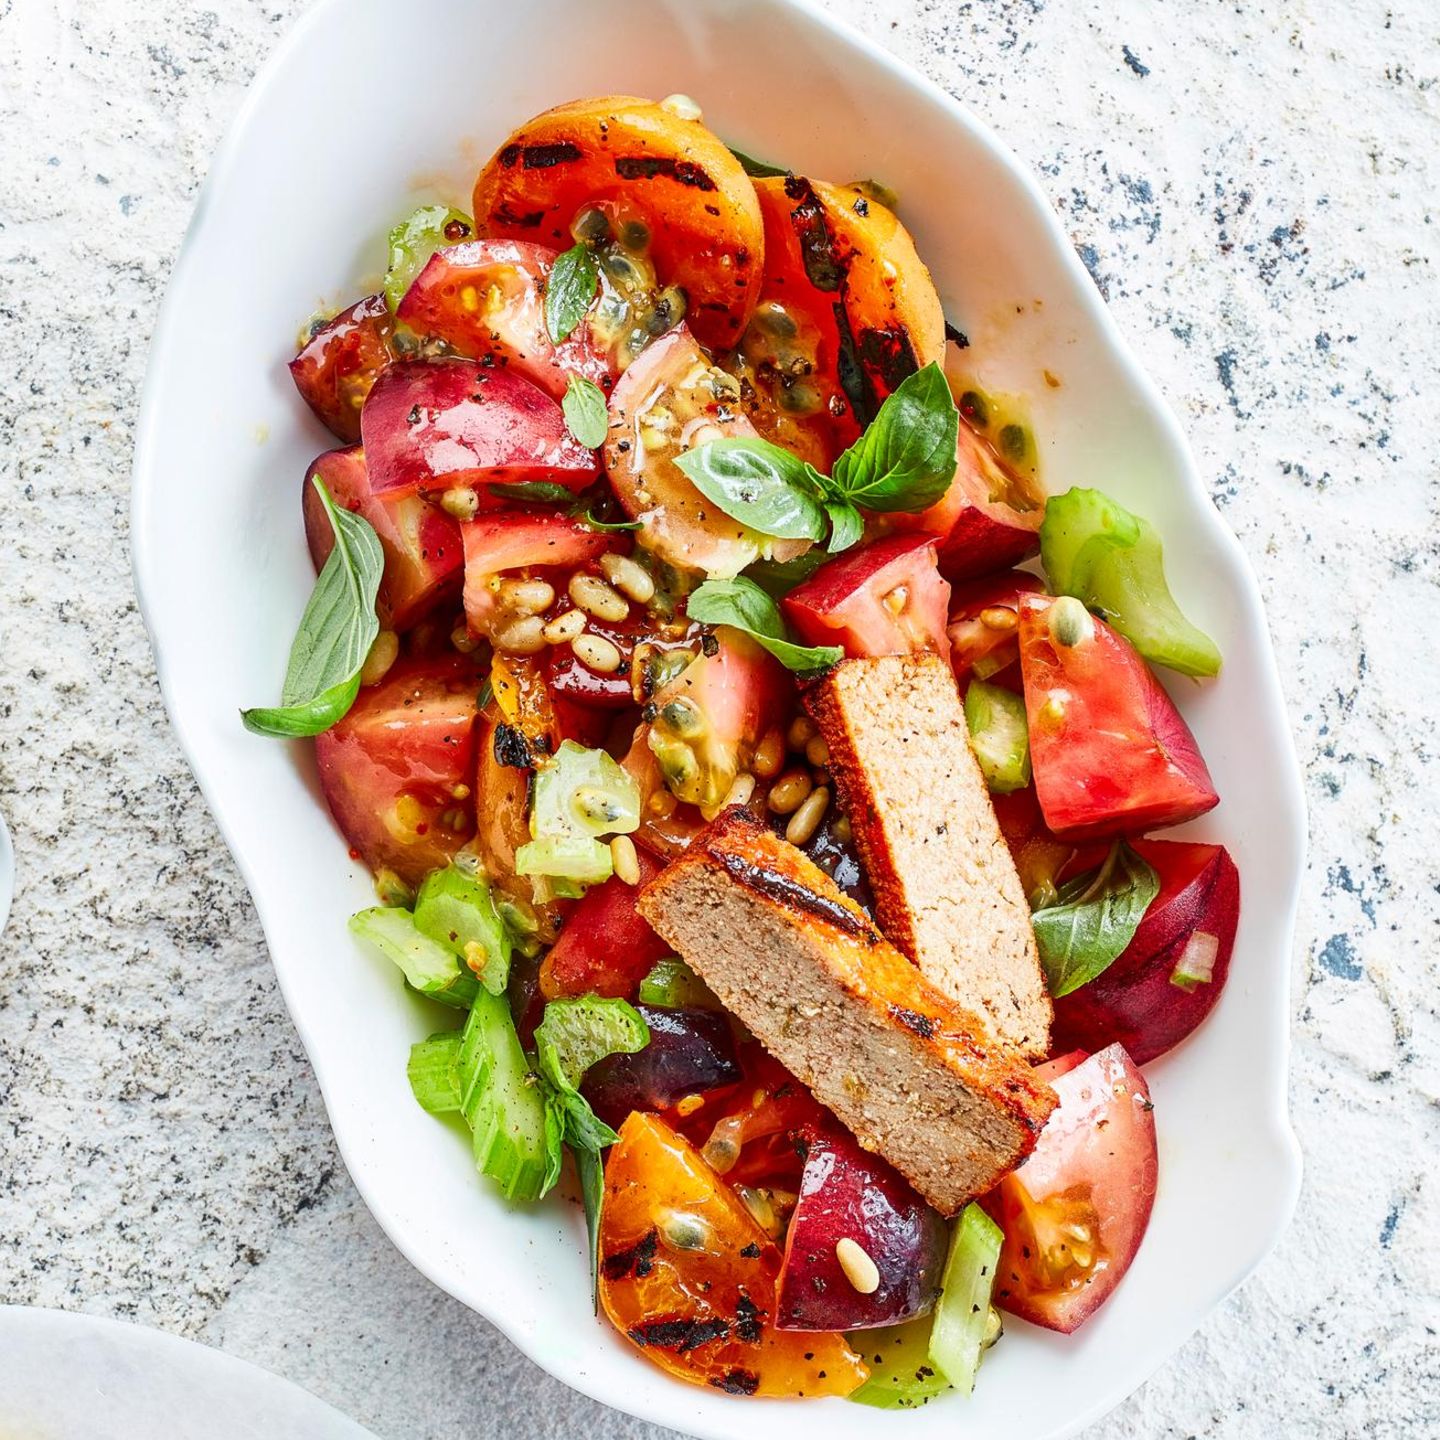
571, 858
673, 985
456, 910
902, 1376
583, 1031
1114, 561
434, 1073
413, 241
503, 1102
429, 968
998, 735
957, 1334
583, 794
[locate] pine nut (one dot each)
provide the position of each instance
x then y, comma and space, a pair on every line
565, 628
769, 755
628, 577
860, 1270
383, 654
817, 752
788, 792
801, 732
527, 597
742, 787
460, 502
525, 636
596, 653
682, 107
999, 617
597, 598
625, 860
806, 820
842, 830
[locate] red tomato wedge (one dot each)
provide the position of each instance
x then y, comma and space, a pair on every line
337, 368
1138, 1000
984, 626
487, 298
988, 520
1110, 752
397, 770
605, 947
689, 1277
886, 598
1075, 1211
436, 425
520, 540
423, 554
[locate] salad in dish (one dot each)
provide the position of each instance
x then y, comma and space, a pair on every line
769, 834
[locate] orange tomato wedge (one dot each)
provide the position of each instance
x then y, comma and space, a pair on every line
689, 1276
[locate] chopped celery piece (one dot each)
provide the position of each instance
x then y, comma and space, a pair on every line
1114, 561
415, 239
584, 1031
456, 910
957, 1336
673, 985
429, 968
998, 736
569, 858
434, 1073
902, 1376
503, 1102
583, 794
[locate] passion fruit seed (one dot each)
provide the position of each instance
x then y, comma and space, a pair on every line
384, 651
596, 653
519, 915
999, 617
684, 1232
1070, 622
390, 889
806, 820
677, 763
789, 792
463, 640
635, 235
628, 577
625, 860
860, 1270
1014, 442
461, 502
565, 628
684, 718
590, 226
598, 807
720, 1153
595, 597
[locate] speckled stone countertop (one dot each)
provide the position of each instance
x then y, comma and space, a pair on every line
1254, 188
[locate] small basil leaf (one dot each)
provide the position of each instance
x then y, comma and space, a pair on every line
759, 484
847, 525
756, 169
591, 521
585, 412
905, 460
1094, 917
536, 492
571, 288
335, 635
744, 605
778, 578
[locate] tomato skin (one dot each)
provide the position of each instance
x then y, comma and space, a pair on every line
605, 947
701, 1309
1110, 752
632, 156
1135, 1000
507, 540
988, 520
390, 768
487, 298
974, 642
337, 368
1095, 1167
423, 554
843, 602
435, 425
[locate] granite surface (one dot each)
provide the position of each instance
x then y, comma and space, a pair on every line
1254, 188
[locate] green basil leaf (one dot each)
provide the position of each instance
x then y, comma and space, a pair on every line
1093, 919
571, 288
591, 521
335, 635
778, 578
585, 413
905, 460
535, 492
591, 1173
759, 484
847, 525
744, 605
756, 169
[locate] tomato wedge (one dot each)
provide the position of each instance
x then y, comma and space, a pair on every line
984, 626
423, 554
689, 1277
509, 540
397, 770
886, 598
1110, 752
341, 362
437, 425
487, 298
1075, 1212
